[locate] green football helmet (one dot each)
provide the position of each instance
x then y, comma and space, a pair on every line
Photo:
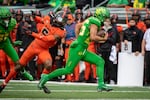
4, 14
102, 13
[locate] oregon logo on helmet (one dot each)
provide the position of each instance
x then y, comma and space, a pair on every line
101, 13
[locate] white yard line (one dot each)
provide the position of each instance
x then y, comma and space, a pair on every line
54, 83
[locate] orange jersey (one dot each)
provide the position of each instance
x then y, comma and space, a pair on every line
44, 40
47, 39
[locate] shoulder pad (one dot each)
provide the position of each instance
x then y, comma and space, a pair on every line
95, 21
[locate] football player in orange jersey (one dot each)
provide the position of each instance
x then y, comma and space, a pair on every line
46, 38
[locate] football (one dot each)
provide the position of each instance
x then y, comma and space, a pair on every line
101, 33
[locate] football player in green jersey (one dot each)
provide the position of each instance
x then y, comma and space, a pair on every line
7, 24
78, 50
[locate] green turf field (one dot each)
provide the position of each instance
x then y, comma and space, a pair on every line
73, 91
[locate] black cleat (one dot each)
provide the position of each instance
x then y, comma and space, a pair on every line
46, 90
2, 88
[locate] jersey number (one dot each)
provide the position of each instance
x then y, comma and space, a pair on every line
82, 31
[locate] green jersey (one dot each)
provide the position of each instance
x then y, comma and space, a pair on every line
4, 33
84, 35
